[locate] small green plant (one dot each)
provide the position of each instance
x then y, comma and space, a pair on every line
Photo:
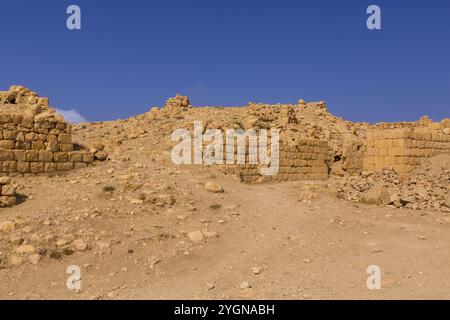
109, 188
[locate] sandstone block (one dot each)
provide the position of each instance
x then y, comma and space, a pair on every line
8, 190
7, 226
165, 199
101, 155
66, 147
52, 146
60, 156
32, 155
195, 236
75, 156
5, 180
20, 136
65, 138
51, 167
26, 249
88, 157
37, 167
43, 101
30, 136
37, 145
6, 155
5, 118
7, 144
45, 156
17, 118
9, 166
55, 132
52, 138
9, 134
22, 145
23, 166
47, 125
28, 122
65, 166
60, 125
214, 187
373, 196
8, 201
79, 165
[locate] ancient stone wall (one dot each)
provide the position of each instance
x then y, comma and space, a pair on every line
353, 151
315, 143
305, 160
402, 149
34, 138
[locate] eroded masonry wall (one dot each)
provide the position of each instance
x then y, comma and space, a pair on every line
402, 149
305, 160
38, 143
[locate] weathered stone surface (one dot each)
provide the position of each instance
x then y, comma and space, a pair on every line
26, 249
101, 155
195, 236
5, 180
165, 199
8, 190
8, 201
34, 134
7, 226
214, 187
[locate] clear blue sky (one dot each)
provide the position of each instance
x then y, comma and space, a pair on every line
131, 55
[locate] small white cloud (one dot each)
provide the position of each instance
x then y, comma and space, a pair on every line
72, 116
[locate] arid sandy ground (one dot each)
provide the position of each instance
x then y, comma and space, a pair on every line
302, 247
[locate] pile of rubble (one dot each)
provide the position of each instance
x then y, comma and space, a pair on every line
21, 95
178, 102
426, 188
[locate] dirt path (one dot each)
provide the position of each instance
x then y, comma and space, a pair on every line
316, 250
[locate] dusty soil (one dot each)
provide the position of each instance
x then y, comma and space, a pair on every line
126, 223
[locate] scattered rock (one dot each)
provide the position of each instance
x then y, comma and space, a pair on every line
257, 270
373, 196
34, 258
214, 187
26, 249
101, 155
245, 285
210, 234
407, 199
164, 200
388, 197
80, 245
195, 236
7, 226
136, 201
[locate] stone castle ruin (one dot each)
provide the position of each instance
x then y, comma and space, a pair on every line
404, 148
34, 138
316, 144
